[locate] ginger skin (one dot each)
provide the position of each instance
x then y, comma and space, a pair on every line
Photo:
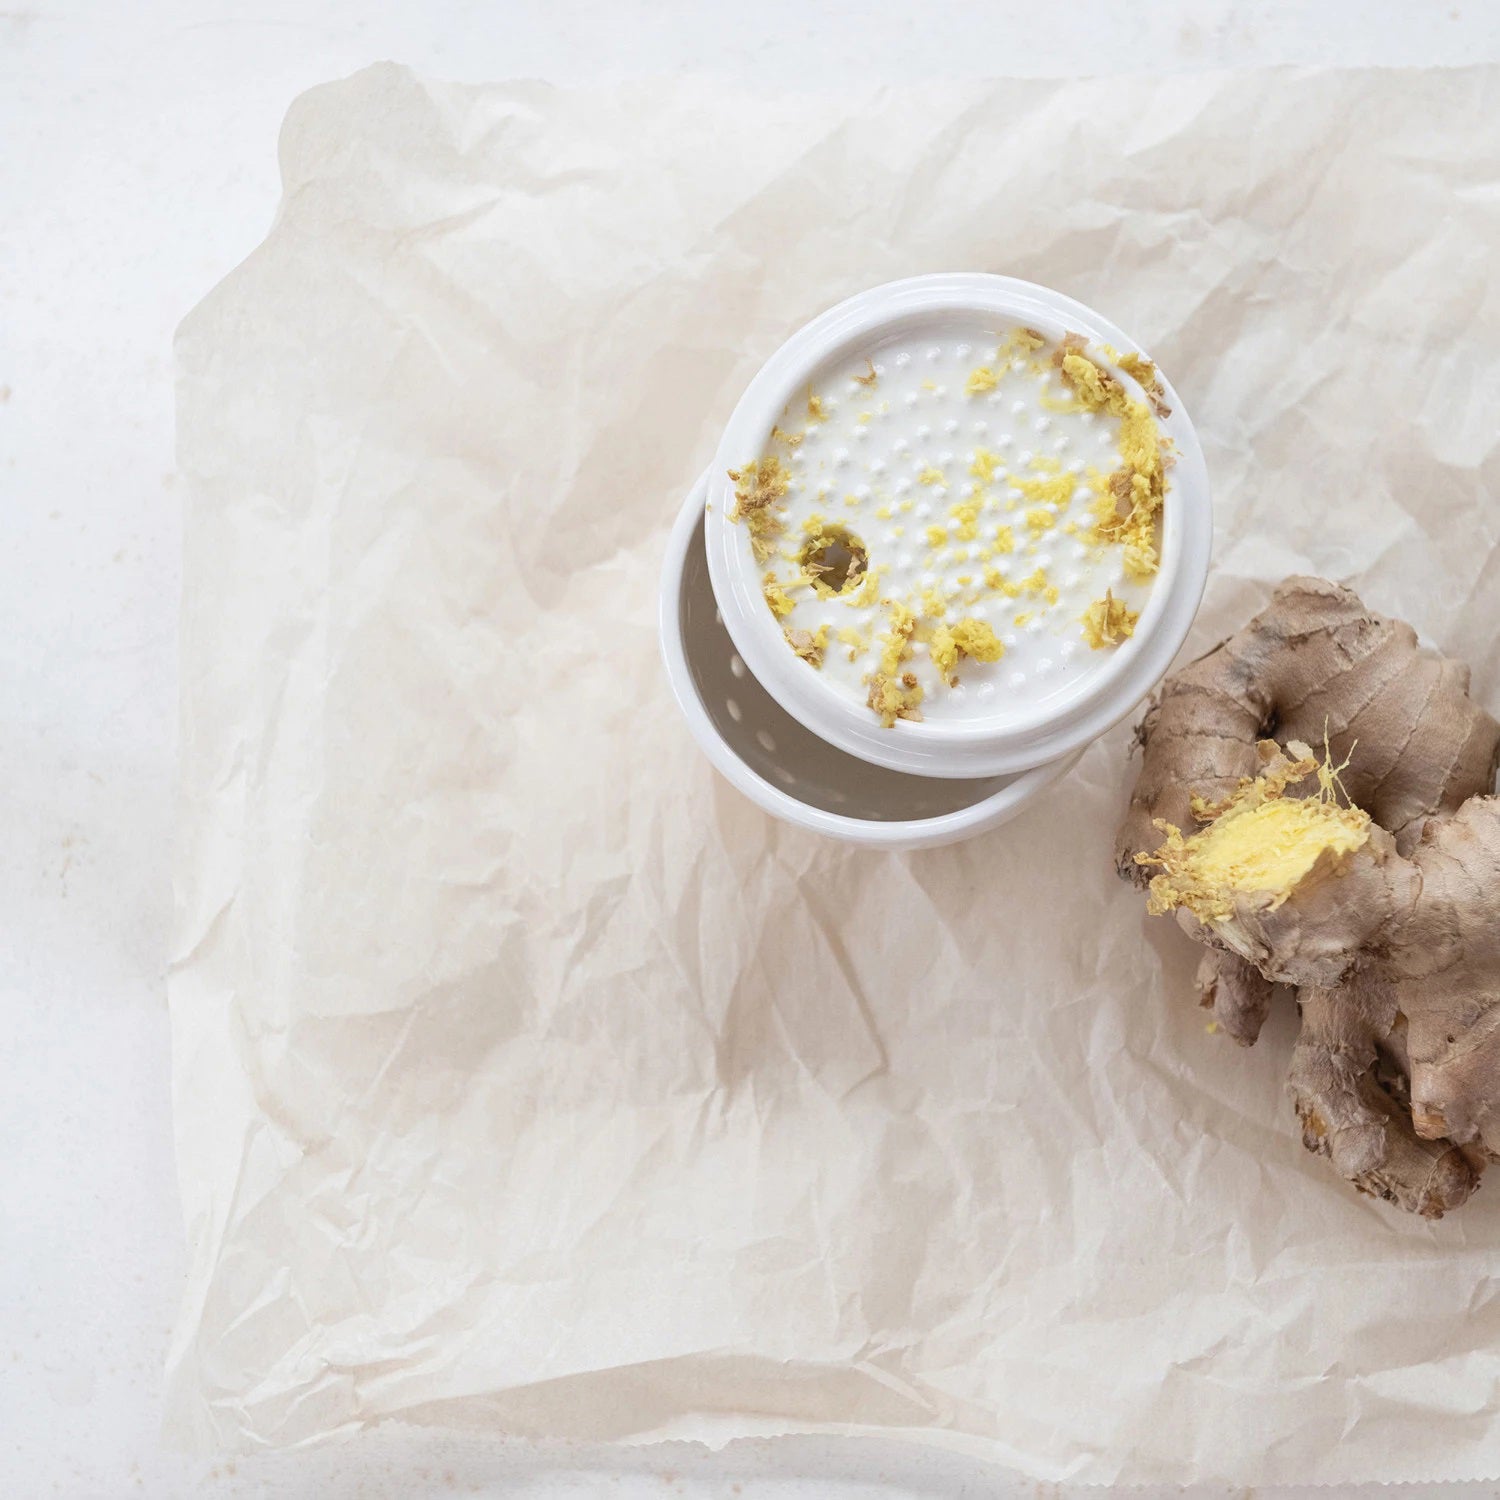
1373, 904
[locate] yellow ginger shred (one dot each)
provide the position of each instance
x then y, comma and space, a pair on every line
1139, 487
816, 411
761, 484
895, 698
791, 439
937, 536
1139, 484
759, 488
981, 380
1107, 622
1018, 345
895, 694
1251, 792
901, 622
1040, 519
777, 598
930, 475
1143, 372
1005, 539
855, 640
1056, 490
1127, 516
966, 513
969, 637
868, 591
869, 377
983, 467
808, 644
1093, 386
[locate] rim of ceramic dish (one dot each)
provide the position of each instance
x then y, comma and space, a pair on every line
912, 833
999, 742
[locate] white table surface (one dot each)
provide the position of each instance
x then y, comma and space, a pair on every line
137, 165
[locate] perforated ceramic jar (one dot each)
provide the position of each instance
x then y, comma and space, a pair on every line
779, 764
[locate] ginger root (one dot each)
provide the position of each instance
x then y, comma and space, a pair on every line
1363, 885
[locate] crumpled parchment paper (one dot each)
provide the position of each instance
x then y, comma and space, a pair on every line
528, 1079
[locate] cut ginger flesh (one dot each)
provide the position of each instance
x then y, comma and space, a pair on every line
1259, 842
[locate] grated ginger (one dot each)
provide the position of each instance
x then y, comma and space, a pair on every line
759, 488
1107, 622
934, 602
984, 465
855, 640
895, 698
808, 644
966, 513
780, 602
969, 637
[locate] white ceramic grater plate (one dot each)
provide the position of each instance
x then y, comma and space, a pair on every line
1038, 705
